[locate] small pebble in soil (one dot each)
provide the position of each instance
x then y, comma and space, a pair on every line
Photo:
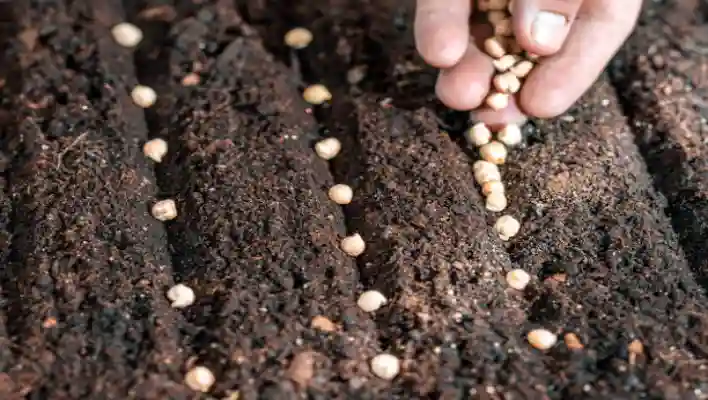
199, 379
181, 296
522, 69
353, 245
143, 96
155, 149
484, 171
191, 79
385, 366
127, 34
328, 148
494, 152
164, 210
316, 94
496, 202
542, 339
572, 341
507, 227
497, 101
492, 187
478, 135
323, 324
510, 135
371, 300
298, 38
518, 279
341, 194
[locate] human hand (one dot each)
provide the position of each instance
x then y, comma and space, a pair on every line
576, 39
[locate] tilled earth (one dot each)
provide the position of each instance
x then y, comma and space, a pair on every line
613, 199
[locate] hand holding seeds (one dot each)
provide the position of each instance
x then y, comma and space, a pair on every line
574, 38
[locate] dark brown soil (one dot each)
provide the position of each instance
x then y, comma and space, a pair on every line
613, 199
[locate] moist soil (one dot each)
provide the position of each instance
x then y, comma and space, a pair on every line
612, 196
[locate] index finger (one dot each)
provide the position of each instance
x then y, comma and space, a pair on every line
442, 30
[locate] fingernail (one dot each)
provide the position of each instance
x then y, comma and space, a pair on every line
546, 27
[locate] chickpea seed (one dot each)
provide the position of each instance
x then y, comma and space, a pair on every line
164, 210
199, 379
181, 296
496, 202
507, 83
155, 149
317, 94
507, 227
328, 148
143, 96
542, 339
498, 101
298, 38
485, 171
385, 366
494, 152
518, 279
522, 69
510, 135
492, 187
478, 135
353, 245
127, 34
494, 47
503, 63
371, 300
341, 194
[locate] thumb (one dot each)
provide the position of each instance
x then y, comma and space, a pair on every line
541, 26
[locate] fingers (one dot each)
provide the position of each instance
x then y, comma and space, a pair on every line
541, 26
464, 86
442, 30
558, 81
496, 119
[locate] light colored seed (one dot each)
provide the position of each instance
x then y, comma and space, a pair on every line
298, 38
371, 300
199, 379
504, 28
127, 34
494, 47
155, 149
507, 83
341, 194
164, 210
497, 5
143, 96
494, 152
353, 245
485, 171
492, 187
317, 94
518, 279
507, 227
498, 101
323, 324
510, 135
495, 16
522, 69
496, 202
503, 63
191, 79
478, 135
328, 148
542, 339
181, 296
385, 366
636, 347
573, 342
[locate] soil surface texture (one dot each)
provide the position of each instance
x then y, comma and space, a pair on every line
612, 198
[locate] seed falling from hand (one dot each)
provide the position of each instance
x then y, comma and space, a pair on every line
328, 148
492, 187
478, 135
199, 379
164, 210
298, 38
510, 135
484, 171
155, 149
542, 339
143, 96
507, 83
371, 300
518, 279
507, 227
127, 34
385, 366
498, 101
353, 245
181, 296
494, 152
496, 202
341, 194
317, 94
494, 47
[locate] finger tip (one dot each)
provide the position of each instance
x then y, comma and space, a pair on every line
496, 119
552, 104
457, 96
441, 51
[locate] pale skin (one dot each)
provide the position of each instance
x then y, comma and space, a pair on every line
581, 36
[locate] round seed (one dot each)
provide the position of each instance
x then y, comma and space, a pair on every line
181, 296
492, 187
298, 38
371, 300
341, 194
494, 152
478, 135
507, 83
498, 101
542, 339
494, 47
485, 171
503, 63
507, 227
385, 366
353, 245
510, 135
191, 79
164, 210
522, 69
155, 149
143, 96
518, 279
328, 148
127, 34
317, 94
199, 379
504, 28
496, 202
